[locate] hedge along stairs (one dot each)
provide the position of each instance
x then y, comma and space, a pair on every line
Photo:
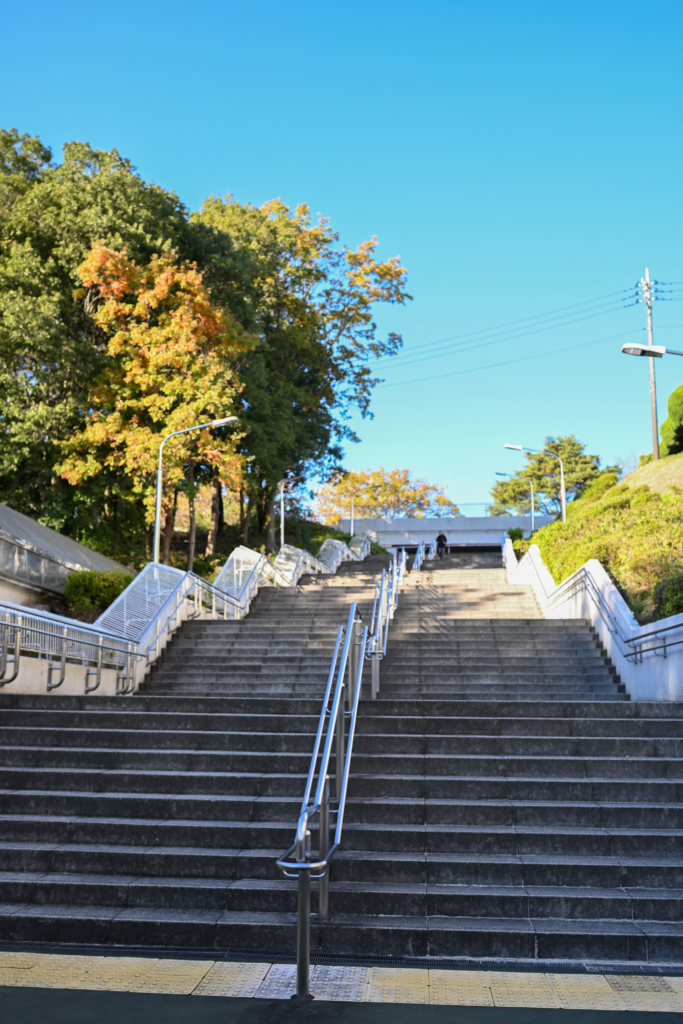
484, 819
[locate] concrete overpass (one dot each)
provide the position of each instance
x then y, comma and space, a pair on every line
462, 532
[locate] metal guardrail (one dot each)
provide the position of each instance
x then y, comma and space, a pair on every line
357, 645
129, 633
333, 726
631, 647
419, 557
432, 549
132, 632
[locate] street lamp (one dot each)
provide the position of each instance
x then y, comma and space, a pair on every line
544, 451
531, 485
634, 349
157, 519
653, 352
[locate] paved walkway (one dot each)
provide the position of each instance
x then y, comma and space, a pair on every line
244, 985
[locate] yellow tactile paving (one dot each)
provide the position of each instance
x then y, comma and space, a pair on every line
232, 980
19, 960
512, 988
460, 988
174, 977
584, 992
398, 985
346, 984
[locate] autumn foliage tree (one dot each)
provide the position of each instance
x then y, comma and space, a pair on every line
169, 352
311, 303
381, 494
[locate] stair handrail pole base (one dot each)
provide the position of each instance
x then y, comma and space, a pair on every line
375, 674
303, 937
324, 842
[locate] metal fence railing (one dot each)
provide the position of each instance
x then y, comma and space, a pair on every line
131, 634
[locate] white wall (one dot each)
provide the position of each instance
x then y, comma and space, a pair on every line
15, 593
32, 678
463, 530
653, 678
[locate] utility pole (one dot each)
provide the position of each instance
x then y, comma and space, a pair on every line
647, 295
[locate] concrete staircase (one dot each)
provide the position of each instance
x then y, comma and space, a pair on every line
461, 630
502, 823
283, 646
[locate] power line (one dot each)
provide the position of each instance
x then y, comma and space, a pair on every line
549, 316
508, 362
508, 337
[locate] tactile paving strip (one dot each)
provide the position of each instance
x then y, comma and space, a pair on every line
460, 988
232, 980
645, 993
173, 977
280, 982
398, 985
520, 989
584, 992
347, 984
341, 984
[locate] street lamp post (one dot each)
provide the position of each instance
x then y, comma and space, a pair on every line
157, 519
531, 485
282, 514
544, 451
652, 352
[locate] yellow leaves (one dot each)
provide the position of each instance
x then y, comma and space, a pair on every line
171, 354
386, 494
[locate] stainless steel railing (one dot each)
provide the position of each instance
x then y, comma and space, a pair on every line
649, 640
419, 557
340, 708
357, 645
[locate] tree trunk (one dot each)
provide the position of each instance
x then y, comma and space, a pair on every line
168, 528
193, 522
216, 517
270, 530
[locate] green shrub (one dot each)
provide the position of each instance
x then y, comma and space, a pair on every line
594, 490
515, 533
668, 597
634, 532
88, 592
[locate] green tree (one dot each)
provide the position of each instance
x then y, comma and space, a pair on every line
311, 304
672, 427
512, 496
50, 345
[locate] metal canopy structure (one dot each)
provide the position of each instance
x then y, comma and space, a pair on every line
38, 557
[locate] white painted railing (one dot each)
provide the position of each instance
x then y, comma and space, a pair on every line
49, 651
649, 659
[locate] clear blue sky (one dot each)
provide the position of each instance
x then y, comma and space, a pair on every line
521, 158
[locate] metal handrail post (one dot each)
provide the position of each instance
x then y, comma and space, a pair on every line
17, 651
303, 938
340, 747
62, 664
376, 655
324, 848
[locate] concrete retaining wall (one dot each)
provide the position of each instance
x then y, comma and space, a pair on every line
590, 594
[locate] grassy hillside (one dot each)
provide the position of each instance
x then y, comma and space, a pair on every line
635, 528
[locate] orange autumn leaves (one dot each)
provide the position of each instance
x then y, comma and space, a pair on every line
170, 355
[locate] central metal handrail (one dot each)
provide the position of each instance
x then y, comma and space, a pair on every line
332, 724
